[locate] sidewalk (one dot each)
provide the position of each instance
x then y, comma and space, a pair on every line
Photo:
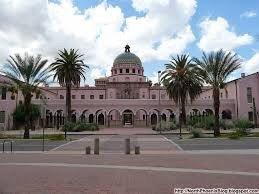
112, 131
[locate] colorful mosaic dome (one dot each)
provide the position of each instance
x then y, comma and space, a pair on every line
127, 58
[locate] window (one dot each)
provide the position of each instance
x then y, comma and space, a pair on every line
138, 71
226, 94
127, 70
143, 95
2, 116
61, 97
115, 71
4, 93
162, 96
250, 116
82, 97
120, 70
73, 96
100, 96
249, 95
133, 71
91, 96
153, 96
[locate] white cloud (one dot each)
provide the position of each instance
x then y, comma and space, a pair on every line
252, 64
216, 34
100, 32
248, 14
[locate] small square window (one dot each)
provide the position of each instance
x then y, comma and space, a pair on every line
127, 70
120, 70
60, 97
100, 96
133, 71
153, 96
115, 71
73, 96
82, 97
91, 96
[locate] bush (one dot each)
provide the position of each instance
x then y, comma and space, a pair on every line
202, 122
226, 124
234, 135
196, 133
165, 126
19, 113
80, 126
243, 124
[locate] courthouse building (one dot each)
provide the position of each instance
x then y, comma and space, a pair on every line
128, 99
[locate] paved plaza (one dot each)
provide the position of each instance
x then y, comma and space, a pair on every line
165, 163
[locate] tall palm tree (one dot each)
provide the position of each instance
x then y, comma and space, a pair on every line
69, 68
181, 80
215, 69
27, 74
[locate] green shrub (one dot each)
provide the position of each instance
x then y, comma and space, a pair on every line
80, 126
19, 113
196, 133
165, 126
243, 124
68, 126
226, 124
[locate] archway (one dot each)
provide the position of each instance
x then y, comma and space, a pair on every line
226, 114
127, 116
209, 111
100, 120
163, 117
73, 116
114, 118
153, 119
91, 118
141, 118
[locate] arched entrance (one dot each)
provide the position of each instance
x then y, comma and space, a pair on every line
226, 114
91, 118
101, 119
153, 119
127, 116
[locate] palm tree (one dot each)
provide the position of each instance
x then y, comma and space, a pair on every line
215, 69
69, 68
27, 73
181, 80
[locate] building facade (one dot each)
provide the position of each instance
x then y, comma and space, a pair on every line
128, 99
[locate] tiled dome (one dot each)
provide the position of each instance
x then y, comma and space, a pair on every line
127, 58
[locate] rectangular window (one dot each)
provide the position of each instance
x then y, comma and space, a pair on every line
249, 95
73, 96
4, 93
153, 96
127, 70
133, 71
120, 70
82, 97
250, 116
91, 96
2, 116
61, 97
100, 96
115, 71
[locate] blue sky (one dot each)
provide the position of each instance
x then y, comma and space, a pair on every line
155, 30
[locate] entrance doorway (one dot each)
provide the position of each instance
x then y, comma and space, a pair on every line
127, 118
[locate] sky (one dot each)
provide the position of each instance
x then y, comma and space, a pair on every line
156, 30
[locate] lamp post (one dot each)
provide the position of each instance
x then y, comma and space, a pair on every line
159, 109
43, 116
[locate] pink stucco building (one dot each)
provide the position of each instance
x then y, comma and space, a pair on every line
127, 98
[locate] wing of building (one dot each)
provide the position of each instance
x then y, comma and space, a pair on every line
127, 98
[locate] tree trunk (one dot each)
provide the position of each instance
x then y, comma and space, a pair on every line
183, 111
27, 106
68, 101
216, 103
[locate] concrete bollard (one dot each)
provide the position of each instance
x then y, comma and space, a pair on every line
88, 150
127, 146
96, 146
137, 150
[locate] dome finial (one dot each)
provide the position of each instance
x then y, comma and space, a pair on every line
127, 49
